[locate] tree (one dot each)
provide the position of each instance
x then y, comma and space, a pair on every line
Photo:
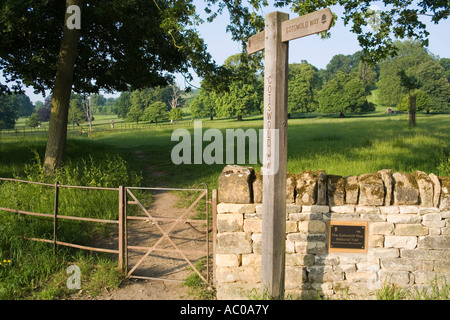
8, 114
435, 84
343, 94
33, 120
175, 114
204, 104
410, 54
156, 111
416, 61
410, 83
397, 20
445, 63
135, 114
122, 104
423, 101
24, 105
242, 99
303, 86
121, 46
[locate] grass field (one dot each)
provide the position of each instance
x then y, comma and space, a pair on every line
132, 154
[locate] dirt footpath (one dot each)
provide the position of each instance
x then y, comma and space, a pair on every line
159, 264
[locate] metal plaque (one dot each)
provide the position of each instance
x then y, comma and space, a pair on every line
347, 236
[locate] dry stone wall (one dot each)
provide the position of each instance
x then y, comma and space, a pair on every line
408, 218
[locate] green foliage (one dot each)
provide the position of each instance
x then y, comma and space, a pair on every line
35, 272
156, 111
33, 120
423, 101
303, 85
197, 287
176, 114
343, 94
204, 104
415, 61
8, 114
444, 164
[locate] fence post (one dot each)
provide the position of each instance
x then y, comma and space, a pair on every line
122, 230
55, 219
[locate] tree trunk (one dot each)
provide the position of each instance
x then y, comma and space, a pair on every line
412, 109
239, 118
57, 132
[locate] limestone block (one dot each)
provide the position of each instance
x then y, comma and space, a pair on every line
406, 190
335, 190
408, 209
322, 188
436, 189
235, 208
386, 176
257, 242
228, 260
382, 228
307, 187
445, 193
312, 227
434, 242
371, 190
234, 242
410, 230
400, 278
230, 222
349, 208
425, 188
290, 188
258, 188
403, 242
351, 190
253, 225
401, 264
404, 218
235, 184
251, 259
299, 259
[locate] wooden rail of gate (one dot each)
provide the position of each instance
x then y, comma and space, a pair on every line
121, 221
166, 233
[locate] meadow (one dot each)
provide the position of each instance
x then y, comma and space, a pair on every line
140, 155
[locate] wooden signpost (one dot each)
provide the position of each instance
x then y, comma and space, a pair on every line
274, 40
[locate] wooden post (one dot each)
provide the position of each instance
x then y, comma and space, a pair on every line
55, 216
122, 230
274, 40
275, 157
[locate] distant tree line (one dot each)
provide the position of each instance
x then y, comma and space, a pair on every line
342, 87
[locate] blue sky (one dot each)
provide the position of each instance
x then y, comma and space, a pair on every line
316, 51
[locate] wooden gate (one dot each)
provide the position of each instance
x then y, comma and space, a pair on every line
166, 234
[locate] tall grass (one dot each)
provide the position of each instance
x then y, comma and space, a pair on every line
34, 271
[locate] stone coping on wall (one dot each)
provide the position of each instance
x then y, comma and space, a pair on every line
238, 184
